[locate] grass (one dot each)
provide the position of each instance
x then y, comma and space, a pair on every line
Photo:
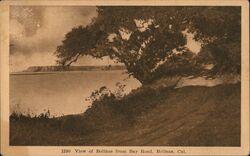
190, 116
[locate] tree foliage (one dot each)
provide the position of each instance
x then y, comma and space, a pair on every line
147, 39
219, 29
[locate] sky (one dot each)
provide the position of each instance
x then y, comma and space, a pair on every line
35, 32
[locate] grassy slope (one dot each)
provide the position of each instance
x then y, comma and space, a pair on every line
193, 116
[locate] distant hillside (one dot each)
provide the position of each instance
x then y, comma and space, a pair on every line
72, 68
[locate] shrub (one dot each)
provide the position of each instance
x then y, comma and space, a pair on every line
69, 123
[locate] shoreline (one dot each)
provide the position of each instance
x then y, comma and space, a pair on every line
61, 72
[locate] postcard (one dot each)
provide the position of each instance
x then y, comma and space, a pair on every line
106, 77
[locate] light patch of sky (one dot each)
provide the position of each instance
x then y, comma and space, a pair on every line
125, 34
111, 37
192, 45
143, 25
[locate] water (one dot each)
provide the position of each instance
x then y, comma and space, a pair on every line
62, 92
65, 92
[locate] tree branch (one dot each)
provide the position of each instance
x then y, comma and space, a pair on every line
74, 60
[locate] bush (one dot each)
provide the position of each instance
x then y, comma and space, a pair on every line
112, 112
15, 116
69, 123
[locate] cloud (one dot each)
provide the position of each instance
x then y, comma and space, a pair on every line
35, 32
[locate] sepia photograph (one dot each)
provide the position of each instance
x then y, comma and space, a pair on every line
126, 76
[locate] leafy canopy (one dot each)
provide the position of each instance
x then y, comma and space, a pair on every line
150, 41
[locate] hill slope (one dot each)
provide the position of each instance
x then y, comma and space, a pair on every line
190, 116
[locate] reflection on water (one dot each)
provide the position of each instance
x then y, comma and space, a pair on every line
63, 92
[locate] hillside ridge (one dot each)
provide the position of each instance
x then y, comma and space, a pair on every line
73, 68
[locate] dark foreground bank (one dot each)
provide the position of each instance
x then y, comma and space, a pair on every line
188, 116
